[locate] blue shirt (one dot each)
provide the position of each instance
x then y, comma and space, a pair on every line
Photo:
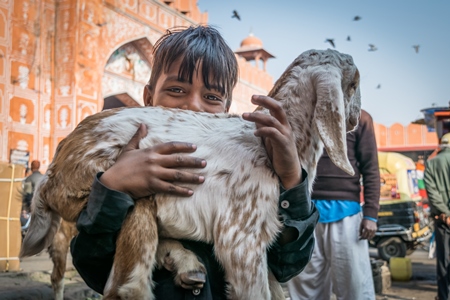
335, 210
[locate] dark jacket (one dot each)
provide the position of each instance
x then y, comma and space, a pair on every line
33, 180
437, 182
334, 184
100, 222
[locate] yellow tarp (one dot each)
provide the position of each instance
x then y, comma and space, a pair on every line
11, 177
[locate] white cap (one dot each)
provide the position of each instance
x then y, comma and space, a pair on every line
445, 140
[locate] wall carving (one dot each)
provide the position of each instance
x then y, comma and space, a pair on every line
3, 25
2, 65
149, 11
64, 117
85, 109
21, 111
45, 157
47, 119
20, 141
23, 77
113, 85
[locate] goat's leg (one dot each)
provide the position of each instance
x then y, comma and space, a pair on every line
276, 291
58, 253
131, 275
188, 271
245, 265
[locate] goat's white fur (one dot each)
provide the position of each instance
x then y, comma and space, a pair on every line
236, 208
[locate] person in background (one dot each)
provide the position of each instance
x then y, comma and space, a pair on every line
437, 185
30, 184
420, 168
193, 69
340, 263
24, 222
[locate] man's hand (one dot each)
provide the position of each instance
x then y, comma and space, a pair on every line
367, 229
444, 218
143, 172
278, 139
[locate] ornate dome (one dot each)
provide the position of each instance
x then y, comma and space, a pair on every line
251, 41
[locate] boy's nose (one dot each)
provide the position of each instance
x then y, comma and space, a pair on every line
193, 103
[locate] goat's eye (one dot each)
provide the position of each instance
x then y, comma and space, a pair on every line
353, 85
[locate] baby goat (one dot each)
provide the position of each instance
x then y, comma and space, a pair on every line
319, 92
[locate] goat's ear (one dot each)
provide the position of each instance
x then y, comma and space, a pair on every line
329, 115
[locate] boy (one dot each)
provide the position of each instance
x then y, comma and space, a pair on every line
193, 69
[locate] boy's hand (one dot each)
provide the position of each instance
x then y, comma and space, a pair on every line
278, 140
143, 172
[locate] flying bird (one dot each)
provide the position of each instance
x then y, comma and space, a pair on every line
236, 15
416, 47
356, 18
379, 86
372, 47
349, 38
331, 41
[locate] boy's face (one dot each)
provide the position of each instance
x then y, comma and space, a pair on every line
173, 93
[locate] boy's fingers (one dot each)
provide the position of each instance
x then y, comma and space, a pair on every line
181, 161
263, 120
172, 189
274, 106
174, 147
134, 142
174, 175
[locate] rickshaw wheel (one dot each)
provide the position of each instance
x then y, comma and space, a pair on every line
391, 247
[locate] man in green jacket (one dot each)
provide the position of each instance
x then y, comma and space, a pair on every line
437, 184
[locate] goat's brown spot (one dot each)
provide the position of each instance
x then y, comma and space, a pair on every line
246, 177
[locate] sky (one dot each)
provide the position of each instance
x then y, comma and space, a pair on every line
408, 81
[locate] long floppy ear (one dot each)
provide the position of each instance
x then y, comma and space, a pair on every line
330, 114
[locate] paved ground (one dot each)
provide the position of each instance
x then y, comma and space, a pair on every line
422, 286
33, 281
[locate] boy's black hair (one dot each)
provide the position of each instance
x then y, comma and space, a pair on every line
197, 44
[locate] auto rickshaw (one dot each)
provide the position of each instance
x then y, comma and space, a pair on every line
403, 222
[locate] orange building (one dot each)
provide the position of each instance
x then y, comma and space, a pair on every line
413, 140
61, 61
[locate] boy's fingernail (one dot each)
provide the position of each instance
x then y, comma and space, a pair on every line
201, 178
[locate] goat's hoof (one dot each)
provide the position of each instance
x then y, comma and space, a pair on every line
191, 280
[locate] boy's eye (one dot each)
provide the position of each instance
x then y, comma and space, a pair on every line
213, 97
175, 90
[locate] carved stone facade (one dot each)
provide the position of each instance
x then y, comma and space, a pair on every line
60, 60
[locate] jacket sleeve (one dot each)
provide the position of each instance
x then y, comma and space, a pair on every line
297, 211
438, 203
99, 223
367, 157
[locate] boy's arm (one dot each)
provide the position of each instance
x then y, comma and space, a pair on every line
287, 257
99, 223
136, 173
